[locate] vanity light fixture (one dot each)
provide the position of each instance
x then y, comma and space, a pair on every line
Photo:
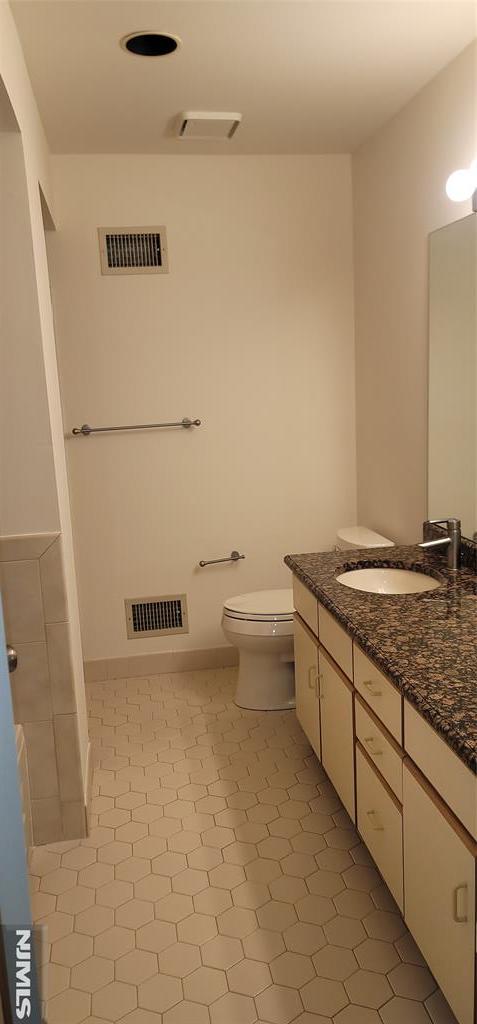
462, 185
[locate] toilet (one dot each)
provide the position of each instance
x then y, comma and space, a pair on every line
260, 625
349, 537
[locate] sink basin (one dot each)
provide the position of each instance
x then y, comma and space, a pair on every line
387, 581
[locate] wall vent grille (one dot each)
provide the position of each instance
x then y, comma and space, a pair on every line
156, 616
133, 250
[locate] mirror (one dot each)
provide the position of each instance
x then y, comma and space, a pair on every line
452, 450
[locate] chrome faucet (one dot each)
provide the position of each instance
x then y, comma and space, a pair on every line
452, 541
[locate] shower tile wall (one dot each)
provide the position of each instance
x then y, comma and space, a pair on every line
36, 623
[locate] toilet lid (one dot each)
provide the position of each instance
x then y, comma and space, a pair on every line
261, 605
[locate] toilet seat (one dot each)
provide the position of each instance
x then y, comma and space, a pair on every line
257, 627
261, 606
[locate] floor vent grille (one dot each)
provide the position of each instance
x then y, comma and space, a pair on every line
156, 616
133, 250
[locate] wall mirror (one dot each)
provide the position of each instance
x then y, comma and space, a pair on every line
452, 451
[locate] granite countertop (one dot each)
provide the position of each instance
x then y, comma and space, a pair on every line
425, 643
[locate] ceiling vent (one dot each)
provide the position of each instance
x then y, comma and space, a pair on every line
156, 616
206, 124
133, 250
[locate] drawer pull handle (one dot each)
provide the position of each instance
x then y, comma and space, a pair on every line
374, 821
372, 688
460, 913
369, 740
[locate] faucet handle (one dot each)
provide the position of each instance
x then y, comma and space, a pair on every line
438, 522
451, 522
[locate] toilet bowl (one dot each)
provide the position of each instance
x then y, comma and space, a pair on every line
260, 625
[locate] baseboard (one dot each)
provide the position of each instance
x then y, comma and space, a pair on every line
162, 662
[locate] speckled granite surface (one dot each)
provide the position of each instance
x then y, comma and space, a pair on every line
426, 643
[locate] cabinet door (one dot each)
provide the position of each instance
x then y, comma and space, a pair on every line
439, 893
379, 821
306, 685
337, 741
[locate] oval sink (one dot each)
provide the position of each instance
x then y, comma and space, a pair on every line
387, 581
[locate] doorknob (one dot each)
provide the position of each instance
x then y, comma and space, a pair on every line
12, 658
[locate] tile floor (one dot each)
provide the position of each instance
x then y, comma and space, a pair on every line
222, 881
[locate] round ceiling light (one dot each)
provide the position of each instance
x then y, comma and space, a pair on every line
150, 44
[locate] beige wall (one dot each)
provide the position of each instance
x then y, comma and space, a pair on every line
17, 84
398, 179
28, 501
252, 332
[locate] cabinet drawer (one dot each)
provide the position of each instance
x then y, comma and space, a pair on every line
337, 741
380, 823
336, 641
305, 604
379, 748
379, 693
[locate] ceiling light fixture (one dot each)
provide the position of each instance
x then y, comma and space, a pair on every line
150, 43
462, 184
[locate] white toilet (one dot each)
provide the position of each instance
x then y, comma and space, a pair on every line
349, 537
261, 626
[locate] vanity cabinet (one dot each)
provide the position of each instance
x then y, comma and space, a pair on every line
307, 683
413, 800
439, 882
337, 737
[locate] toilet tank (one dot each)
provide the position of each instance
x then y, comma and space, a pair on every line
360, 537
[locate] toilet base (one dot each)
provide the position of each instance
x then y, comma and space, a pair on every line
265, 682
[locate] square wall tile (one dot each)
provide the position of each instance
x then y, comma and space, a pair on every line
61, 668
68, 757
73, 818
46, 821
53, 584
17, 547
22, 602
30, 684
40, 744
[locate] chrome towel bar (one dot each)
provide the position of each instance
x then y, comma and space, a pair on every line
233, 557
86, 429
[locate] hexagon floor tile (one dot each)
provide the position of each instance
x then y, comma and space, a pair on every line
222, 879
